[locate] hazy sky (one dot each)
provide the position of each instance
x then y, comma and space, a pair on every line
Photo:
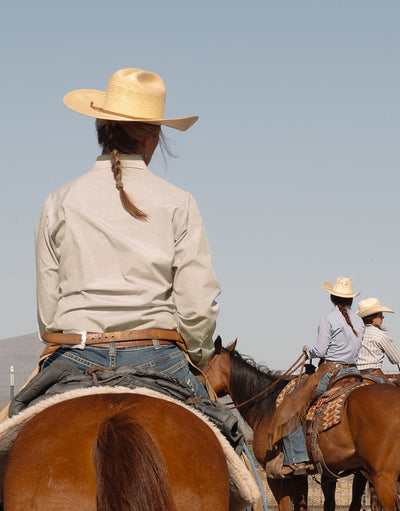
294, 162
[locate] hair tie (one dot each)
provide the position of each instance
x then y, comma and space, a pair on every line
118, 183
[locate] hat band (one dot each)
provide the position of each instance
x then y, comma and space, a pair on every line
117, 114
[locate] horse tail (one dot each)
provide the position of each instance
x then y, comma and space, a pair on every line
130, 471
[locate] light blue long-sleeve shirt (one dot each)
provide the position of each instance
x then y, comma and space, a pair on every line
336, 340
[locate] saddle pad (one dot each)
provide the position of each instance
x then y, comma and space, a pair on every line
328, 410
242, 483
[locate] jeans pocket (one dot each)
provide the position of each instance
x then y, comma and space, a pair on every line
80, 362
169, 363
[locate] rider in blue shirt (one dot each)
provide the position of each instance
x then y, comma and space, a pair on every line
339, 339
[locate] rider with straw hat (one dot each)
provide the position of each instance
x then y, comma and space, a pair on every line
123, 262
338, 343
339, 332
376, 342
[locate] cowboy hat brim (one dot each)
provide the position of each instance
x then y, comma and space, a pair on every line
328, 287
87, 102
374, 309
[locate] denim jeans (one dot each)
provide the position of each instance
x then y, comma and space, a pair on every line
163, 358
294, 447
326, 378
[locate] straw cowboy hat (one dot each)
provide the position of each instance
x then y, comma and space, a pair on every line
371, 306
342, 287
131, 95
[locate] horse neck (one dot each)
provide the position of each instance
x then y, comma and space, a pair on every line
247, 380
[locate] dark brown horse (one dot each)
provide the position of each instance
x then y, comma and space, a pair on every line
367, 439
114, 452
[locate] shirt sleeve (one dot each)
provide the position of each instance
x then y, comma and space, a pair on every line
195, 285
390, 348
320, 348
46, 272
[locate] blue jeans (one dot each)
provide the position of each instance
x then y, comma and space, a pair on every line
326, 378
163, 358
294, 447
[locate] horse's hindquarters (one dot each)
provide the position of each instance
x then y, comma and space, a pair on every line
60, 459
367, 438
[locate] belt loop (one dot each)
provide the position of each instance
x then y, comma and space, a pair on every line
112, 354
156, 344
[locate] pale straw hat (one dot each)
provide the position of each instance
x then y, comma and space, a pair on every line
342, 287
371, 306
131, 95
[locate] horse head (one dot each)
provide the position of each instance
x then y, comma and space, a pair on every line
218, 370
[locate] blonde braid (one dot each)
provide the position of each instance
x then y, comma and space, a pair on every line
126, 201
343, 310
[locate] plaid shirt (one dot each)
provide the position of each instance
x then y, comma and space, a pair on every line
375, 344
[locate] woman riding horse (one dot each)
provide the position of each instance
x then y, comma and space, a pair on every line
123, 261
338, 343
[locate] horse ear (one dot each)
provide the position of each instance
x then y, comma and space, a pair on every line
232, 346
218, 345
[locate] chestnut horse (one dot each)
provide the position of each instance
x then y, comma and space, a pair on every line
109, 452
364, 441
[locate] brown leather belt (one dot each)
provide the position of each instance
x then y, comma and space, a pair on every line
339, 364
124, 339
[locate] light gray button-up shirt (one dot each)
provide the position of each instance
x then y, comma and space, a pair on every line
336, 340
101, 270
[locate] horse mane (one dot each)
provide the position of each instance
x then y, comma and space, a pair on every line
124, 447
249, 379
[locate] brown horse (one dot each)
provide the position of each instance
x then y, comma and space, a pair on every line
364, 441
110, 452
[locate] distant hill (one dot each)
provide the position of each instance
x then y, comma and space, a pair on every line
23, 353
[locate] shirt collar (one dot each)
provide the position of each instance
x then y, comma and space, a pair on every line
130, 161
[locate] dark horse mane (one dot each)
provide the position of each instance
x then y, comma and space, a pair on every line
249, 379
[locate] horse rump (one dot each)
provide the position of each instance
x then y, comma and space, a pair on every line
125, 447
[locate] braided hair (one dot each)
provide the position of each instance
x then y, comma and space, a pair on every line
342, 303
124, 138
